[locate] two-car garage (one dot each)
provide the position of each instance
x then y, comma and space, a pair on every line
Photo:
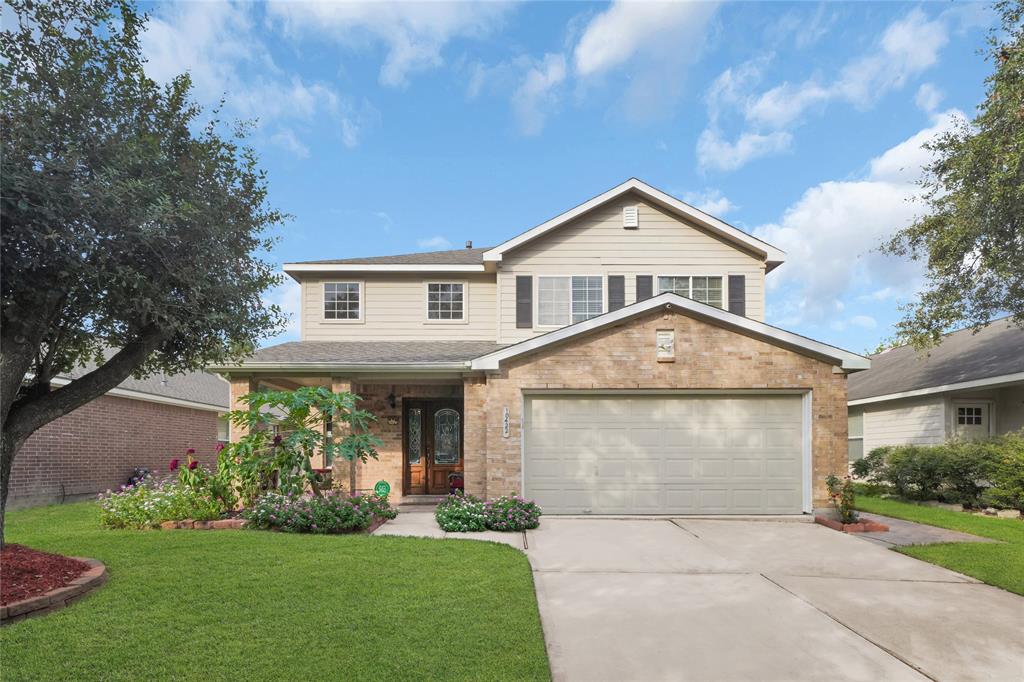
666, 453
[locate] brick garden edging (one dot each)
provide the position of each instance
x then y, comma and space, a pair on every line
57, 599
865, 525
217, 524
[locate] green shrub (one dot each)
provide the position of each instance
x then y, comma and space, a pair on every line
842, 495
146, 504
511, 514
331, 513
972, 473
461, 514
1007, 473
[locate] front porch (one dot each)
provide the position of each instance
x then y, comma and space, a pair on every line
419, 420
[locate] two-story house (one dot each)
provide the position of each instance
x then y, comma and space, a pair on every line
612, 360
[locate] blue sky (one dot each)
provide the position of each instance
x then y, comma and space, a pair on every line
396, 128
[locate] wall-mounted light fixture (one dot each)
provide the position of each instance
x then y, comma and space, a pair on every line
392, 400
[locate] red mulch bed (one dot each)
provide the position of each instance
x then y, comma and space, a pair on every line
26, 572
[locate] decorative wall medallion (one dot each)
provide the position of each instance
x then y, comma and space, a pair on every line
666, 345
506, 426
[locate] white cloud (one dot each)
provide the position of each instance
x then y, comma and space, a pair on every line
833, 231
414, 34
437, 243
657, 40
217, 43
928, 97
903, 163
717, 153
535, 98
710, 201
286, 139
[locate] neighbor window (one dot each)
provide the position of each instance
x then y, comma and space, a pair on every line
855, 436
342, 301
445, 301
561, 300
703, 289
968, 416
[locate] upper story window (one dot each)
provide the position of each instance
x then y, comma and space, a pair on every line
703, 289
343, 301
561, 300
446, 301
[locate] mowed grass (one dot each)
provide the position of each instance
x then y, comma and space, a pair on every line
1000, 564
251, 605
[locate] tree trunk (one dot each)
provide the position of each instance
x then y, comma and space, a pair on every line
9, 447
352, 476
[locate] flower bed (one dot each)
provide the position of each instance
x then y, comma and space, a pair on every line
33, 583
469, 514
862, 525
333, 512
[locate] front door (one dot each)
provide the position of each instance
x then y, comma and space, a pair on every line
971, 420
433, 445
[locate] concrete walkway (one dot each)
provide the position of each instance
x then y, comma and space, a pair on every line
685, 599
902, 533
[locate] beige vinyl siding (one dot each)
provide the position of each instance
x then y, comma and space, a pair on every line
597, 244
395, 309
1010, 409
913, 421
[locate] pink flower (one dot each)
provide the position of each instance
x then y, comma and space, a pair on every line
192, 465
174, 464
220, 446
190, 451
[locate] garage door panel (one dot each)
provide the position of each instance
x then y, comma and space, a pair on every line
669, 454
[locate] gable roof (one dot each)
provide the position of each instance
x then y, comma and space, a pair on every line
962, 360
780, 337
773, 256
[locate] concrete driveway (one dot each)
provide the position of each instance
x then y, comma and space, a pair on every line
760, 600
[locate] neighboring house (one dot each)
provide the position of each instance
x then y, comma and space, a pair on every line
610, 360
141, 423
969, 386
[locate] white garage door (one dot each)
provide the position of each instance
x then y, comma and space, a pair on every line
664, 454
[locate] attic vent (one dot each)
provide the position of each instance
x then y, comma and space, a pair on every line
630, 217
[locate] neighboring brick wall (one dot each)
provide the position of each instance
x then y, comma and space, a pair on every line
97, 446
623, 357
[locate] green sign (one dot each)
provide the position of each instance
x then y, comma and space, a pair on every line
381, 488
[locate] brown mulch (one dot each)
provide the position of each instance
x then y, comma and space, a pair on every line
26, 572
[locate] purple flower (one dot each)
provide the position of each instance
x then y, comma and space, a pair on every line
220, 446
192, 465
174, 464
277, 440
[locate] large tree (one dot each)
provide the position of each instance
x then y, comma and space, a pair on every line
132, 228
972, 234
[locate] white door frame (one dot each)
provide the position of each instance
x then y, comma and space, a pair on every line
806, 405
990, 413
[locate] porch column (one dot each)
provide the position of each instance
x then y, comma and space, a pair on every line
239, 387
343, 473
474, 410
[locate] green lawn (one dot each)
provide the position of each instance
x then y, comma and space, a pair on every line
249, 605
1001, 565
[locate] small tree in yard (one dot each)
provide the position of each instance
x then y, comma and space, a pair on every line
301, 417
128, 240
972, 236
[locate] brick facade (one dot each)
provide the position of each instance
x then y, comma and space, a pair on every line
624, 357
97, 446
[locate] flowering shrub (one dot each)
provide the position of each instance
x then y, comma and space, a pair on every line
460, 514
332, 513
511, 514
147, 503
841, 494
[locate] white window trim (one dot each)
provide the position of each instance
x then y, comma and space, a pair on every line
725, 286
990, 413
426, 301
323, 302
536, 297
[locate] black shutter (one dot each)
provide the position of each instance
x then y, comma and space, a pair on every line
616, 292
738, 295
524, 301
644, 287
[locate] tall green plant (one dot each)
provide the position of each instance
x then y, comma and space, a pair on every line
263, 460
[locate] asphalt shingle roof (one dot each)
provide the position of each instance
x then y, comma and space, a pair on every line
374, 352
472, 256
198, 387
996, 350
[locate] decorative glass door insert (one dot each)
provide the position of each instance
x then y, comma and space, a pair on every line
447, 433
